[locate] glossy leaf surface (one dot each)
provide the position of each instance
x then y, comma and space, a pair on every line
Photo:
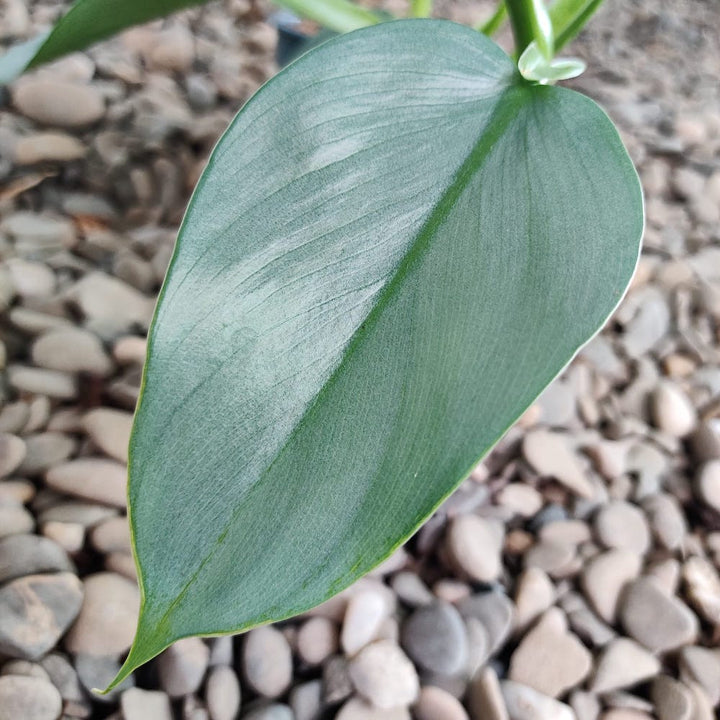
395, 247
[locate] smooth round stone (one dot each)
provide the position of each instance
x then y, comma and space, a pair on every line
12, 453
107, 620
534, 594
660, 622
484, 697
16, 492
434, 703
15, 520
703, 588
495, 611
549, 658
140, 704
129, 350
364, 615
110, 429
623, 664
525, 703
112, 535
625, 714
708, 484
42, 233
475, 545
35, 611
701, 666
672, 700
25, 668
435, 638
71, 350
63, 676
275, 711
358, 709
567, 532
40, 381
384, 676
604, 578
69, 536
47, 147
317, 640
44, 450
306, 700
555, 558
267, 661
29, 555
411, 590
94, 479
667, 520
672, 411
59, 103
222, 694
31, 279
619, 524
28, 698
172, 49
182, 666
549, 454
14, 417
523, 500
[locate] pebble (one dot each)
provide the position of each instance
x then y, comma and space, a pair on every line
550, 456
69, 536
59, 103
29, 555
703, 588
71, 350
54, 384
31, 279
411, 590
94, 479
110, 430
182, 667
701, 666
112, 535
672, 700
384, 676
523, 500
357, 709
605, 576
317, 640
623, 664
708, 484
525, 703
667, 520
267, 661
12, 453
672, 411
555, 558
274, 711
660, 622
485, 698
15, 520
306, 700
495, 612
98, 671
549, 658
436, 640
108, 617
625, 714
140, 704
35, 611
44, 450
475, 545
222, 694
110, 304
363, 618
172, 49
534, 594
65, 679
48, 147
28, 698
621, 525
434, 703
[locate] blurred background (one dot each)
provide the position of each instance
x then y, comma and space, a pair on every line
574, 575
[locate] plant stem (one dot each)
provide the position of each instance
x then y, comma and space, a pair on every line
420, 8
531, 23
569, 17
491, 26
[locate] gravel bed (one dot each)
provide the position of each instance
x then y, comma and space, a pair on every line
573, 576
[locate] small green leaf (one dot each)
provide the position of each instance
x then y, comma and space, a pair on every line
89, 21
397, 244
534, 66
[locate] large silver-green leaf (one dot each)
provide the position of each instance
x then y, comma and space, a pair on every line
394, 248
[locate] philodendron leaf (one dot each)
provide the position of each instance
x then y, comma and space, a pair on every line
395, 247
